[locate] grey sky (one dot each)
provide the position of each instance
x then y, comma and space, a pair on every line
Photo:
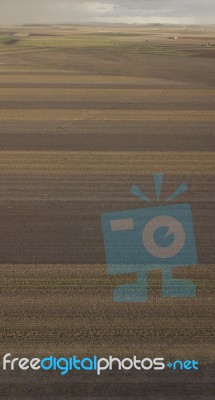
125, 11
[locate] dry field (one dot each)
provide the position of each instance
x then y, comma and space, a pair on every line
84, 114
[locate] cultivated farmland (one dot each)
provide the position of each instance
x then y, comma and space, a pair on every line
85, 113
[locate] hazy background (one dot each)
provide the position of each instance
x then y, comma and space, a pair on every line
108, 11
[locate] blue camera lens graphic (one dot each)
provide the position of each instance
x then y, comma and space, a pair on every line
162, 237
172, 228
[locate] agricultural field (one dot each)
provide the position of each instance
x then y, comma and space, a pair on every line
85, 113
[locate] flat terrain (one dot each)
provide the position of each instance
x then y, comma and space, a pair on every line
85, 113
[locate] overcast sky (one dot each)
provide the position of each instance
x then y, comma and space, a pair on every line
126, 11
